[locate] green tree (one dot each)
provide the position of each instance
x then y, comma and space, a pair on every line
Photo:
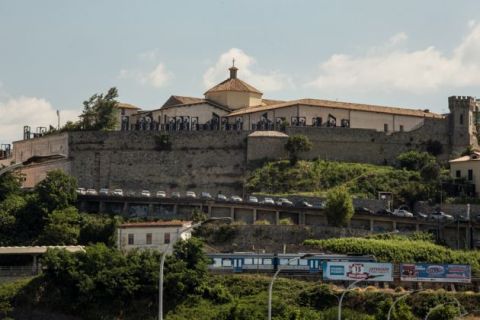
57, 191
414, 160
9, 208
444, 312
62, 227
295, 145
430, 171
339, 207
100, 112
98, 229
10, 183
468, 151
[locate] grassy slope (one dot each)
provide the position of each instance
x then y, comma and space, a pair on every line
315, 177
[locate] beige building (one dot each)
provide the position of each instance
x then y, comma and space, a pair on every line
467, 168
157, 235
236, 105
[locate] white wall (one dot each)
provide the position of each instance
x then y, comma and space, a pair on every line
158, 234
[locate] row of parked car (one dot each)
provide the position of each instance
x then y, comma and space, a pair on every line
404, 212
204, 195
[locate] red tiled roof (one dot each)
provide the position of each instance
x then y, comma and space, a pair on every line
153, 224
233, 84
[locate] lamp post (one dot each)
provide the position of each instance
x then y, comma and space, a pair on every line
459, 306
164, 254
350, 287
398, 300
270, 287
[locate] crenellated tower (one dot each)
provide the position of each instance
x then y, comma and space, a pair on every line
462, 122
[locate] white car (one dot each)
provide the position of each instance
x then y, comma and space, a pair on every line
191, 194
104, 192
117, 192
441, 216
221, 197
402, 213
81, 191
268, 201
284, 202
145, 193
252, 199
91, 192
161, 194
236, 199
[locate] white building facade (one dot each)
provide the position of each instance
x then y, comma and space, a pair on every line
157, 235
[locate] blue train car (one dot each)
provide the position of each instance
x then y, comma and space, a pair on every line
269, 262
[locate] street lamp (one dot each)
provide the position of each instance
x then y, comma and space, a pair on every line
164, 254
270, 287
459, 306
398, 300
350, 287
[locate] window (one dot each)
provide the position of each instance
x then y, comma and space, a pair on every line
458, 174
470, 174
130, 238
148, 238
461, 118
401, 128
385, 127
166, 237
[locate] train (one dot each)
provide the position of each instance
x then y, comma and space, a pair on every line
239, 262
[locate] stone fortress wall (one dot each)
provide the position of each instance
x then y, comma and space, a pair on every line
207, 160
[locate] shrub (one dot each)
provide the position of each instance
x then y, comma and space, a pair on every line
339, 207
295, 145
414, 160
262, 222
285, 222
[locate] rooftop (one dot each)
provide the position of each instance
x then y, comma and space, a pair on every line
475, 156
38, 249
156, 224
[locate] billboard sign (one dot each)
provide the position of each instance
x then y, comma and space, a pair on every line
344, 270
424, 272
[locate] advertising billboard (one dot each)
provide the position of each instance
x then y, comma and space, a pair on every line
424, 272
344, 270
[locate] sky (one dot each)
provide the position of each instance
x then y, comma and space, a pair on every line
55, 54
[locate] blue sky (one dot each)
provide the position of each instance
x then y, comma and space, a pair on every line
55, 54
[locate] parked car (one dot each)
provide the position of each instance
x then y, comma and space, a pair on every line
221, 197
175, 195
268, 201
284, 202
81, 191
145, 193
303, 204
191, 195
363, 210
91, 192
441, 216
461, 218
402, 213
104, 192
252, 199
420, 215
161, 194
117, 192
319, 205
384, 212
235, 198
206, 195
130, 193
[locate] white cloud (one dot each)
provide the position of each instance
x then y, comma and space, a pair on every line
31, 111
390, 67
270, 81
157, 76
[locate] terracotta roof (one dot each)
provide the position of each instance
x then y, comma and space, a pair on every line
126, 106
233, 84
340, 105
475, 156
38, 249
174, 100
192, 103
275, 134
150, 224
269, 102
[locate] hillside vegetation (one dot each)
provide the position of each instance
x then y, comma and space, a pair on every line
398, 249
